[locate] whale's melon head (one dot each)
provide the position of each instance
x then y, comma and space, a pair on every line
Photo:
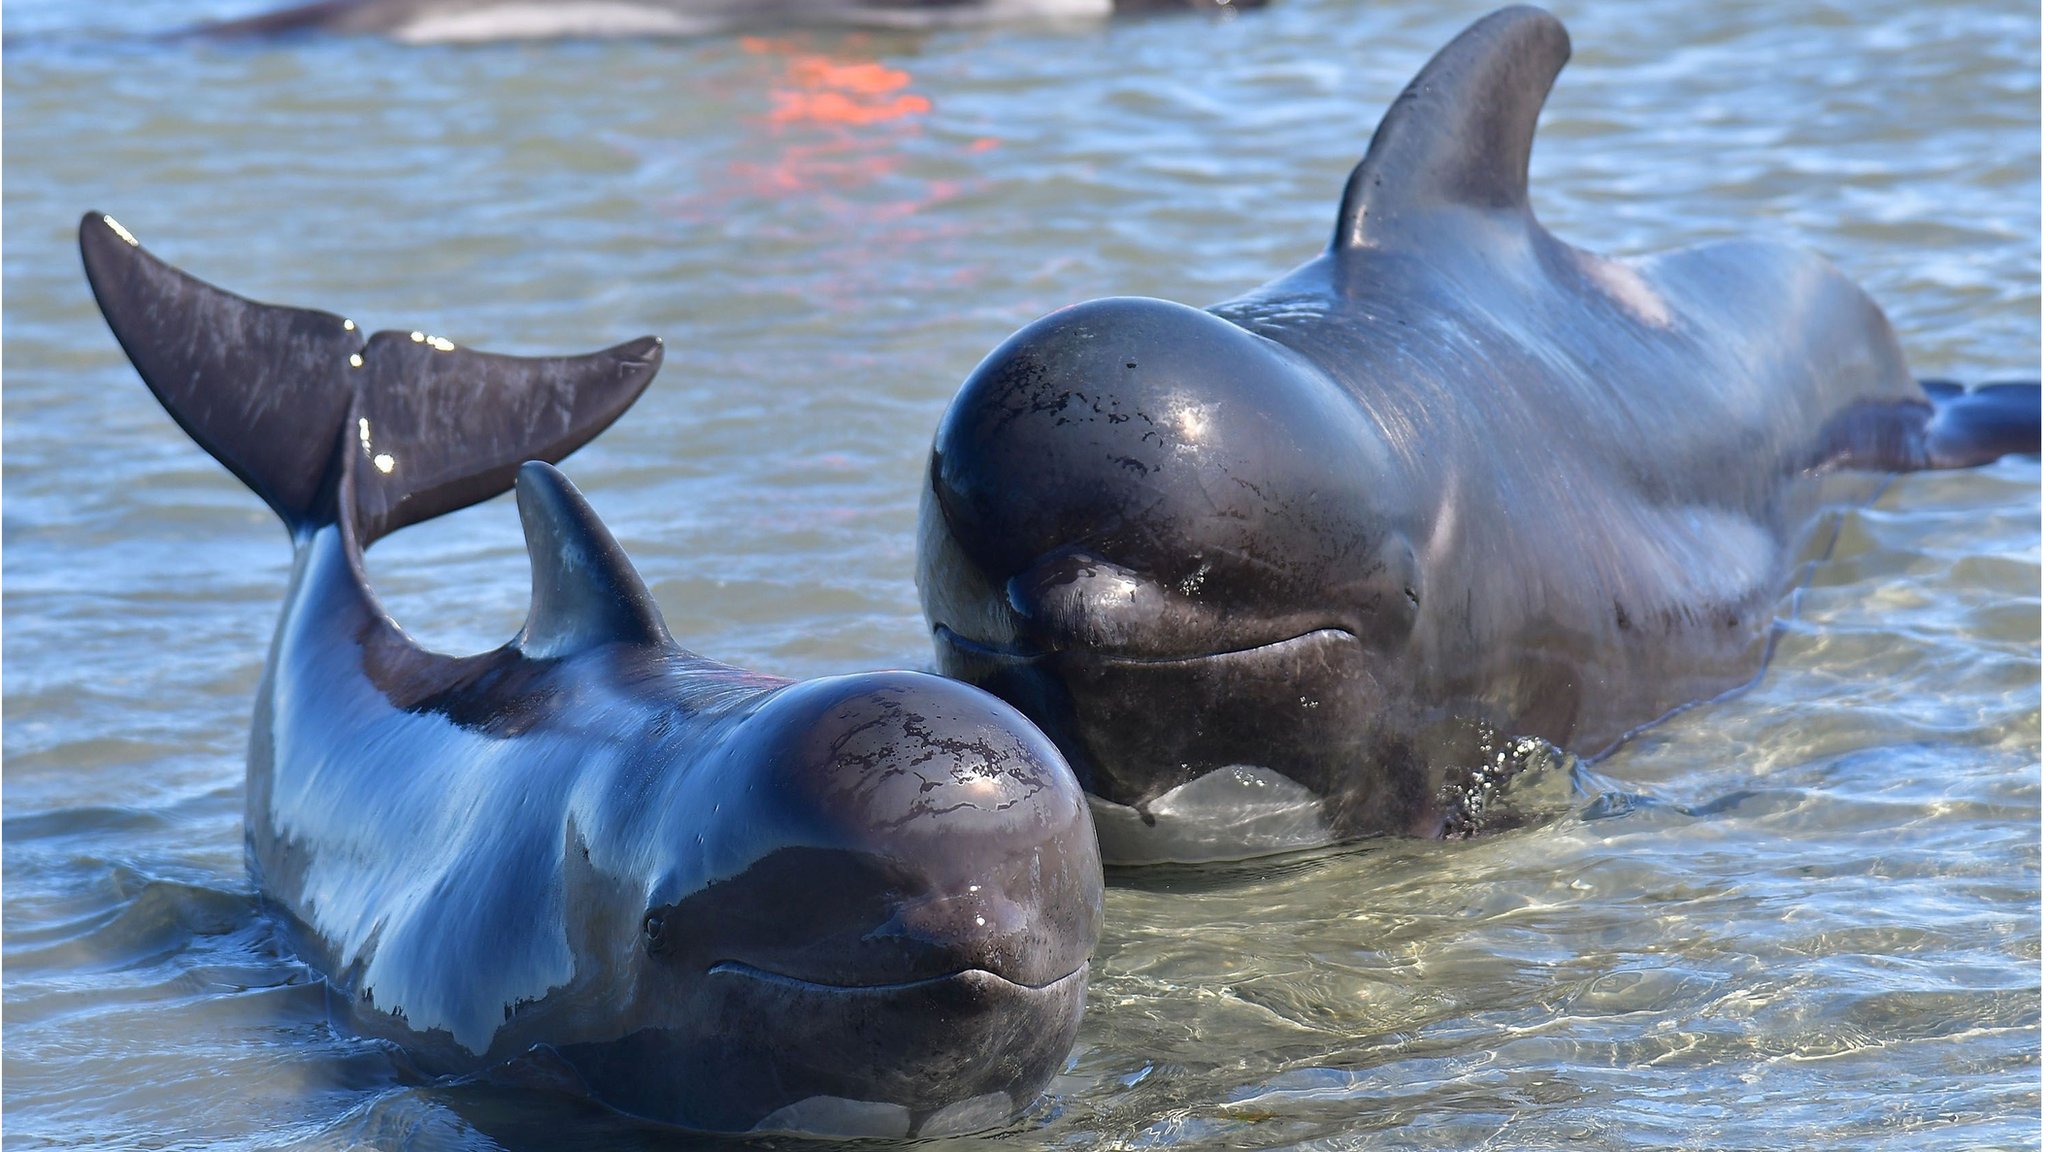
1176, 545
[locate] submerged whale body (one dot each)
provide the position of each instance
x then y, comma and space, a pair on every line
861, 905
470, 20
1291, 568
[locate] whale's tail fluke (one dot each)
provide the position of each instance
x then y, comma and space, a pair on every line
1979, 425
327, 426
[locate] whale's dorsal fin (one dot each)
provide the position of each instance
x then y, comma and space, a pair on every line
585, 592
1460, 133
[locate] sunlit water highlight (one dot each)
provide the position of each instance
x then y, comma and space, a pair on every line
1804, 917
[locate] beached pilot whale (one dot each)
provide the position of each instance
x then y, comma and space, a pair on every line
1276, 571
458, 20
858, 905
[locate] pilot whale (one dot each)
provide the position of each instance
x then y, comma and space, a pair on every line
860, 905
470, 20
1297, 566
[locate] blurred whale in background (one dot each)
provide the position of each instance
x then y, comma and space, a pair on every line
861, 905
1297, 567
470, 20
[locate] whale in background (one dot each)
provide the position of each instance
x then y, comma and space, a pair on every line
1298, 567
861, 905
423, 21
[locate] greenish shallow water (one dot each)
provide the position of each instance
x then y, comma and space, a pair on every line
1807, 916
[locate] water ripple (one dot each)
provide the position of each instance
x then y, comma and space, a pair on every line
1807, 916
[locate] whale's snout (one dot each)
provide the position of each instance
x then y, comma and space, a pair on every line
893, 935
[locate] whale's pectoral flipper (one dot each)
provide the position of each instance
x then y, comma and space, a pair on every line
293, 399
1461, 132
585, 591
1981, 424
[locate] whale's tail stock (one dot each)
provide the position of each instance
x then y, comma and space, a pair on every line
328, 426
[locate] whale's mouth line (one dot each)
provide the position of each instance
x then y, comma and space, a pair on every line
748, 971
1022, 654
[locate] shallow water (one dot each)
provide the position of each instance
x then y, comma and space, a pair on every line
1807, 916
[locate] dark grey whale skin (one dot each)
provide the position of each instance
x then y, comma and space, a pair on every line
714, 894
1452, 478
409, 18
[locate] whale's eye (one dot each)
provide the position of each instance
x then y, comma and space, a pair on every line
656, 930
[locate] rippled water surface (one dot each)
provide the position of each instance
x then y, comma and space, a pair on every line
1804, 917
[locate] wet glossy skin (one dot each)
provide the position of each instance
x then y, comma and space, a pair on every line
861, 905
634, 852
1450, 481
